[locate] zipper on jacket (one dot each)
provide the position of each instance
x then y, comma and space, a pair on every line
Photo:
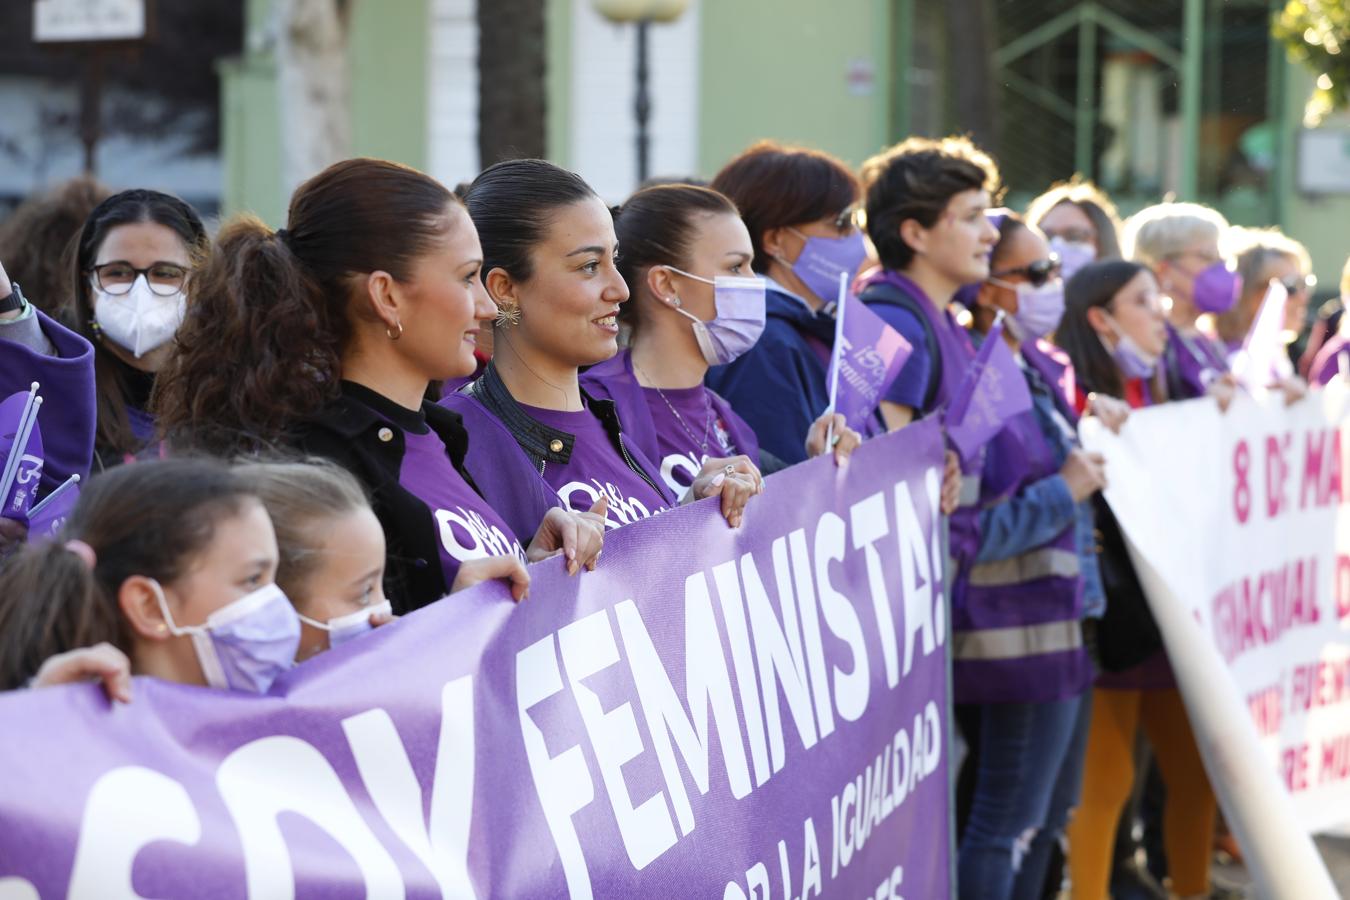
623, 448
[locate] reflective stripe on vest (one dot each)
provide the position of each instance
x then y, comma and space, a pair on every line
1017, 642
1047, 562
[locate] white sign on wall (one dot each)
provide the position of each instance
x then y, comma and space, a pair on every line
1324, 161
88, 20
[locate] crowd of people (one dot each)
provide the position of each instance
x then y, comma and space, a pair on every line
450, 384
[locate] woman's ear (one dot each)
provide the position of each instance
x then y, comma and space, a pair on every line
915, 235
774, 243
386, 299
140, 605
987, 297
1096, 317
501, 288
662, 285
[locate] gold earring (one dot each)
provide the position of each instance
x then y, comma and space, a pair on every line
508, 315
391, 334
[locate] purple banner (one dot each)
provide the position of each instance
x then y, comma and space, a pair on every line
723, 713
866, 359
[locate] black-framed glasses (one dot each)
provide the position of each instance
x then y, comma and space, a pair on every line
1038, 273
116, 278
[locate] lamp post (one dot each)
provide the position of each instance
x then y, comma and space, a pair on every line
642, 13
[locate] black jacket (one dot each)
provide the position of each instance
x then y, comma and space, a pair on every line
363, 432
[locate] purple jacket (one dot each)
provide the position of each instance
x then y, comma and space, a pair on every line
614, 380
1190, 364
67, 418
1015, 622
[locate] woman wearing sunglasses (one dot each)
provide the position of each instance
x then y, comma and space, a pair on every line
133, 260
1021, 670
1266, 256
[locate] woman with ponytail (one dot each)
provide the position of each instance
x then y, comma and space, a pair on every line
167, 564
328, 335
550, 265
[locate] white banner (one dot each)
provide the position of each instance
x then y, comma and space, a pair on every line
1239, 528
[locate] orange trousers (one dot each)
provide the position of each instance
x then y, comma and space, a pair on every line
1108, 777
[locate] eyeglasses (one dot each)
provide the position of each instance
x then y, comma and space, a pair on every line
1298, 283
1073, 235
116, 278
1038, 273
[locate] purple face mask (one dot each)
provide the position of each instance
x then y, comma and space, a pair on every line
1133, 360
1217, 288
244, 645
1073, 255
823, 259
739, 320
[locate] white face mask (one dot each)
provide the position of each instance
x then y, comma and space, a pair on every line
139, 320
342, 629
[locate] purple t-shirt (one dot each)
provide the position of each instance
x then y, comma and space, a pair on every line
594, 468
468, 528
688, 432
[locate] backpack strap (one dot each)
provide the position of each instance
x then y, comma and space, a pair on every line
890, 295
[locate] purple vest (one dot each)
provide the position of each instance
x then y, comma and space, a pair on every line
1015, 622
1190, 364
67, 418
614, 380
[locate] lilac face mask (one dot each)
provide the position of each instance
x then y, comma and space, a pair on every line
823, 259
1133, 360
342, 629
1073, 255
1039, 309
244, 645
1217, 288
739, 320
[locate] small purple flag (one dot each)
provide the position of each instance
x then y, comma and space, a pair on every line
21, 447
867, 357
992, 392
47, 517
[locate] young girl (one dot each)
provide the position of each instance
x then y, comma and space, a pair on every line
164, 568
131, 280
693, 304
332, 553
327, 335
1115, 332
549, 264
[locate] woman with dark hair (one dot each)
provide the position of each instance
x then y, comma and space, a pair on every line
132, 269
549, 263
1020, 667
1115, 332
37, 238
327, 335
693, 304
798, 206
164, 568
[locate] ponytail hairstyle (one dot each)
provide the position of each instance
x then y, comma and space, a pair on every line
512, 205
150, 519
657, 226
113, 431
273, 312
302, 499
1095, 285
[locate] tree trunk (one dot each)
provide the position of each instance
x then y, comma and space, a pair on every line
512, 45
313, 83
971, 34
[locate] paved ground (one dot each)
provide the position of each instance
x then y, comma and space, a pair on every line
1335, 851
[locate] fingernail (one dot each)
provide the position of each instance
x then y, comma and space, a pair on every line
719, 478
571, 553
572, 567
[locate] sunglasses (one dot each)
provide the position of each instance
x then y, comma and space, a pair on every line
1038, 273
1298, 283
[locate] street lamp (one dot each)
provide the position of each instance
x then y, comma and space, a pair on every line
643, 13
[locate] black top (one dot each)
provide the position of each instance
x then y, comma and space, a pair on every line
362, 431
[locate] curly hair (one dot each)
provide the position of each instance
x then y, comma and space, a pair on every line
272, 314
916, 179
38, 238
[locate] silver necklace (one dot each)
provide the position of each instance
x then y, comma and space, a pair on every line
708, 420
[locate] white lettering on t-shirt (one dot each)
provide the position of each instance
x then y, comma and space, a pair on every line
622, 510
484, 538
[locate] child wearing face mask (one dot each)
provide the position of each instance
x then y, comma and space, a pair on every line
132, 266
167, 567
797, 206
549, 264
693, 305
1115, 333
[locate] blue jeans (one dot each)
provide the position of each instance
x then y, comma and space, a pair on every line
1030, 771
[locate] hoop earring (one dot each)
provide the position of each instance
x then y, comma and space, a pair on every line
391, 335
507, 315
